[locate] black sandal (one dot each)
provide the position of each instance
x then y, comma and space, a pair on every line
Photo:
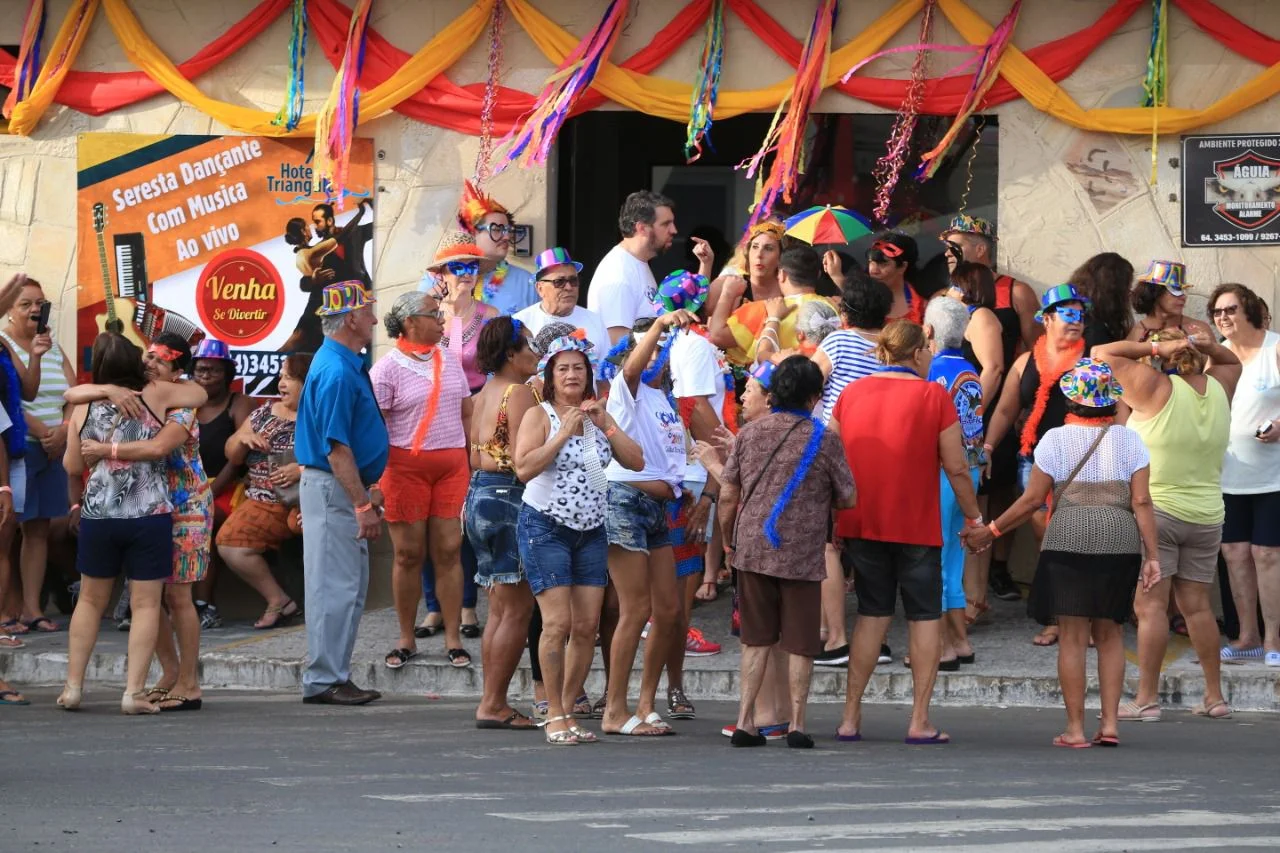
472, 631
459, 658
422, 632
396, 658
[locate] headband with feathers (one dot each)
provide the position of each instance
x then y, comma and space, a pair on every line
475, 206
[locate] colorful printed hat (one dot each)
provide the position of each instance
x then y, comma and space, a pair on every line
343, 297
212, 348
1168, 274
763, 373
574, 342
456, 246
553, 257
1058, 294
1091, 383
683, 290
965, 224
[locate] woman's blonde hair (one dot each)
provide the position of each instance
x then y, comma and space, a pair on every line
900, 341
1186, 363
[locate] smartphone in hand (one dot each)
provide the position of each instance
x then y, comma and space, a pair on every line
42, 323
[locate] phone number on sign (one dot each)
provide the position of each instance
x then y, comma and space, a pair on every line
1239, 238
258, 371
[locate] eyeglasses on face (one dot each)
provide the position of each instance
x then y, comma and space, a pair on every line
463, 268
1225, 311
436, 315
499, 232
562, 282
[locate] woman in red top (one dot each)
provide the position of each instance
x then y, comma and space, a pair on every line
898, 429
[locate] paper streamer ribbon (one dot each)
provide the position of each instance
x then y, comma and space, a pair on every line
492, 80
291, 110
337, 120
1155, 85
888, 169
703, 104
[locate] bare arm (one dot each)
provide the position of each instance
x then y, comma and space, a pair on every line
72, 461
1144, 511
731, 292
823, 361
241, 442
984, 335
1145, 390
533, 453
1038, 487
956, 466
1224, 365
29, 375
727, 511
343, 463
1026, 304
1009, 406
169, 439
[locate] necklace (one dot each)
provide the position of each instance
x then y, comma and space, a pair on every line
897, 368
488, 287
470, 330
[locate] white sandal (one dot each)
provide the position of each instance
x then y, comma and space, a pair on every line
568, 737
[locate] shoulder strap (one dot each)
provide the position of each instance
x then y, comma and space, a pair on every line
1080, 465
746, 496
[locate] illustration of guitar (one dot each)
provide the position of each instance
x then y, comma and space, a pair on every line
116, 307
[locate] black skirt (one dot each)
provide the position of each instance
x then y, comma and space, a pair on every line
1092, 586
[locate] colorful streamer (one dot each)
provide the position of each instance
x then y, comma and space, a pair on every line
26, 112
702, 107
341, 113
983, 79
491, 85
28, 64
533, 139
888, 168
291, 110
786, 136
1155, 86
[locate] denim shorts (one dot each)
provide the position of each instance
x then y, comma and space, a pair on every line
554, 555
492, 511
46, 483
636, 521
1025, 464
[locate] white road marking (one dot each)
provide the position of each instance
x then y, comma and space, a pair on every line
1079, 845
431, 798
947, 828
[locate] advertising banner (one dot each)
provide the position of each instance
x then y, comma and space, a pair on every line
214, 236
1231, 190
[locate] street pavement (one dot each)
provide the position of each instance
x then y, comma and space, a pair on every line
262, 771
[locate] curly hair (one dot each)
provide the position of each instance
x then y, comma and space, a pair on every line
1106, 281
641, 206
865, 303
1254, 308
796, 383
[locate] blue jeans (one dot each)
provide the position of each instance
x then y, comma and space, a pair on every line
469, 590
554, 555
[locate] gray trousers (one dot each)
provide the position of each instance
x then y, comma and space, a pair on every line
336, 570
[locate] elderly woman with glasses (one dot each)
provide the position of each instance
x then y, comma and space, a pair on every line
1160, 296
501, 284
558, 283
422, 392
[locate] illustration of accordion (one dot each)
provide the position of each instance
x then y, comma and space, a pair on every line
153, 321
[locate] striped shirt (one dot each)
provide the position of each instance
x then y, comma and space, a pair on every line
47, 406
852, 357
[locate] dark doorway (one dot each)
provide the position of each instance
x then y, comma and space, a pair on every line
603, 156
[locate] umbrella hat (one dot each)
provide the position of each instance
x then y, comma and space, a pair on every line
827, 224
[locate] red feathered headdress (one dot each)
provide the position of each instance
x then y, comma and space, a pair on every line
475, 206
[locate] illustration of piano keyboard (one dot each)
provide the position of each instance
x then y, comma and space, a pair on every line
131, 267
154, 321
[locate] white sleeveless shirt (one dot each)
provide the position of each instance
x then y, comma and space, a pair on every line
566, 489
1252, 467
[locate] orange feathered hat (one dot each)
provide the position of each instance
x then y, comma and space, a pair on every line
475, 206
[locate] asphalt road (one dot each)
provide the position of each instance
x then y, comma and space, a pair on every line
264, 772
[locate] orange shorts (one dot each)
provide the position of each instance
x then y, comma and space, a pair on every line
430, 484
259, 526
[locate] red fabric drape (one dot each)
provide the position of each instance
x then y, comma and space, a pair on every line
1231, 32
95, 93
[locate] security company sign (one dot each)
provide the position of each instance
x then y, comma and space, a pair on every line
1231, 190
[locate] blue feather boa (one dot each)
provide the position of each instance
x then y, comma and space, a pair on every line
802, 470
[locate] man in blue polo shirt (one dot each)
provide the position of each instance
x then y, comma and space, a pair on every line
341, 443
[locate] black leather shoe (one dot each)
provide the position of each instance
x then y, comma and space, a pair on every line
341, 694
376, 694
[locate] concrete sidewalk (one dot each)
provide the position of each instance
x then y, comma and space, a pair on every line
1009, 671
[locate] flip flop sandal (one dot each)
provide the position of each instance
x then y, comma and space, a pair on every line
397, 658
597, 710
936, 739
7, 641
184, 704
14, 626
1045, 640
508, 724
630, 726
157, 694
655, 719
1066, 744
6, 698
1106, 740
459, 658
35, 625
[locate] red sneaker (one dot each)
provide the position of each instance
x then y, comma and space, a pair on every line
697, 646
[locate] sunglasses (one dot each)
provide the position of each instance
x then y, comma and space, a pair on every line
1070, 315
498, 232
562, 283
463, 268
955, 250
1227, 311
436, 315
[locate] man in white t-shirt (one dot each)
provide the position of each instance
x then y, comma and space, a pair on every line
623, 288
557, 283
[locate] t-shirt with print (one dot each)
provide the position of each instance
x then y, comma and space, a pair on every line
650, 422
952, 371
534, 319
278, 433
698, 369
622, 289
765, 456
852, 357
890, 430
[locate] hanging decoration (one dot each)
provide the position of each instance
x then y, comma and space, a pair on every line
785, 138
533, 138
290, 113
1155, 86
703, 105
979, 124
490, 103
889, 167
28, 64
983, 79
337, 121
26, 111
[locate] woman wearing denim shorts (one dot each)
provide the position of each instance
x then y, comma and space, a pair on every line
561, 450
493, 508
642, 567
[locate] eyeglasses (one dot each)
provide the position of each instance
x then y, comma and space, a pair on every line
562, 283
463, 268
1070, 315
436, 315
1225, 311
498, 232
209, 370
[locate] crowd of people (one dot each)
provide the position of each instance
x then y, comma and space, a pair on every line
594, 469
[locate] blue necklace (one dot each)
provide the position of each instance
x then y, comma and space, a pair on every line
897, 368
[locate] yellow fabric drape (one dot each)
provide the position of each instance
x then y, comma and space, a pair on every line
71, 35
1047, 96
658, 96
446, 48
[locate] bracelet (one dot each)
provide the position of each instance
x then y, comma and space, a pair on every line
6, 490
375, 488
974, 522
988, 448
995, 531
610, 431
115, 450
1155, 349
73, 508
365, 507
